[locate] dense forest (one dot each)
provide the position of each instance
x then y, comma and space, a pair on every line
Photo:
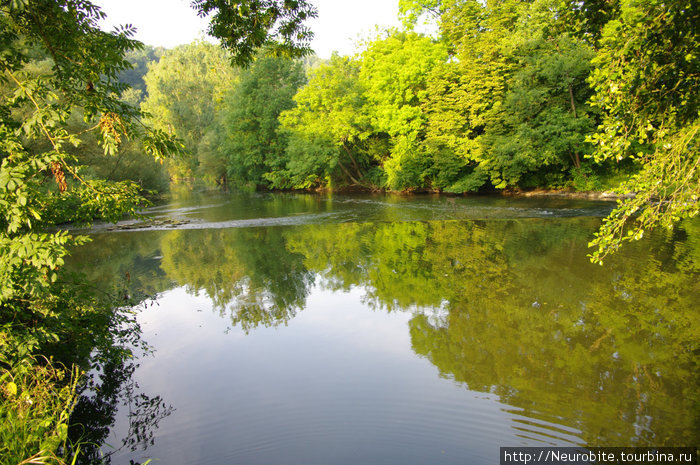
586, 95
505, 106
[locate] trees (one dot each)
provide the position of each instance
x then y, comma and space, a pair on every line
42, 185
465, 93
394, 71
327, 126
186, 90
36, 139
140, 60
46, 112
514, 99
510, 106
537, 135
253, 146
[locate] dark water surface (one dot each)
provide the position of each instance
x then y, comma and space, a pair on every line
336, 329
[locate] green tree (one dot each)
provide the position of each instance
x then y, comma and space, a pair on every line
537, 134
140, 60
254, 148
510, 107
186, 89
455, 108
327, 127
464, 93
394, 71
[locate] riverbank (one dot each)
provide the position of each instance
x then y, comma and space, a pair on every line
563, 193
589, 195
537, 192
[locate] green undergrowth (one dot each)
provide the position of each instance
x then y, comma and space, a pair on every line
37, 396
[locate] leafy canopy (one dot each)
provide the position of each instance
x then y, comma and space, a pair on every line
245, 26
327, 126
253, 146
186, 90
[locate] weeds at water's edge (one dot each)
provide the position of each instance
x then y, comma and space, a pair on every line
37, 396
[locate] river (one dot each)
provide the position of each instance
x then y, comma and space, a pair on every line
375, 329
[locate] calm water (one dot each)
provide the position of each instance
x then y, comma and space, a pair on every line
318, 329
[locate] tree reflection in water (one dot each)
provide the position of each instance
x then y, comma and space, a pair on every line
109, 387
517, 310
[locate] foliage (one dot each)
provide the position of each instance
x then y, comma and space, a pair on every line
254, 147
501, 100
246, 26
36, 401
327, 127
130, 168
186, 90
85, 63
512, 105
540, 127
501, 107
140, 60
212, 164
457, 98
394, 71
58, 68
647, 85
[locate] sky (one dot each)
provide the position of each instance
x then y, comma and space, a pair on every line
168, 23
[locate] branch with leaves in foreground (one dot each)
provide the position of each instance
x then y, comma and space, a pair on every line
244, 26
667, 190
41, 184
647, 84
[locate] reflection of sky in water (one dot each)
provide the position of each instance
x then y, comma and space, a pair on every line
339, 384
500, 332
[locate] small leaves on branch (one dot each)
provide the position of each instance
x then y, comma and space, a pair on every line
38, 133
245, 26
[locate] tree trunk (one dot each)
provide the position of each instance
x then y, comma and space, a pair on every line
352, 159
571, 96
575, 158
347, 173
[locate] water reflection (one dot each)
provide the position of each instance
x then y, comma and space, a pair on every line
510, 308
109, 391
94, 418
248, 273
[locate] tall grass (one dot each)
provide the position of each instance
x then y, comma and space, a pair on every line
36, 399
